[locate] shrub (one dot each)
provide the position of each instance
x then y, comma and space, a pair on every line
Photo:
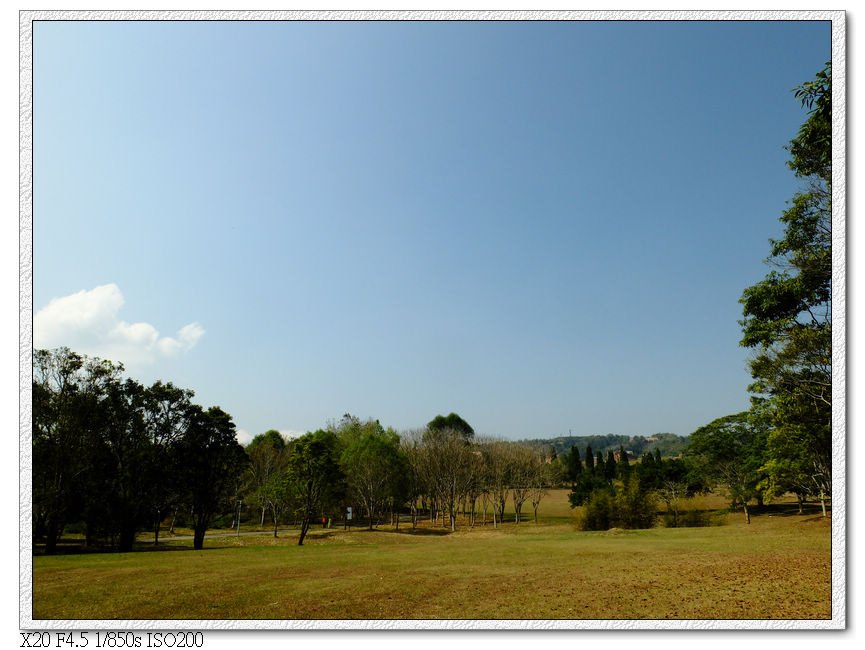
599, 512
630, 508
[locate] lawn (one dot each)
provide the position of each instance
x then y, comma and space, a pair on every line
776, 568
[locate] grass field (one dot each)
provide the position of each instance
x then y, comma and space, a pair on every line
776, 568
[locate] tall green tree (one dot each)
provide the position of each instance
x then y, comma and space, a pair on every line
729, 453
573, 465
264, 476
123, 462
314, 478
166, 414
610, 467
788, 315
67, 391
376, 469
210, 461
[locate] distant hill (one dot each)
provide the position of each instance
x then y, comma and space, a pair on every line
668, 443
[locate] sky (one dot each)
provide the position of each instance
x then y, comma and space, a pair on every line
544, 227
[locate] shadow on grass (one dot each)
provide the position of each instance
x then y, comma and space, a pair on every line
73, 548
420, 531
790, 510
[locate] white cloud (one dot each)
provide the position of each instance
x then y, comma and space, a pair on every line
243, 436
88, 322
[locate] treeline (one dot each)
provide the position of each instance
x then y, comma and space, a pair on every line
668, 444
620, 493
113, 457
440, 472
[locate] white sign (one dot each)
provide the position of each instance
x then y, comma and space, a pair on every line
348, 513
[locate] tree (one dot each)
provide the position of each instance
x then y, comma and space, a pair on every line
67, 389
451, 467
584, 486
729, 452
264, 473
523, 475
545, 474
788, 315
451, 421
166, 410
497, 476
610, 467
623, 468
573, 464
314, 479
123, 464
210, 461
375, 468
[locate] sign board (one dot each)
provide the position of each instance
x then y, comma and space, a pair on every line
348, 513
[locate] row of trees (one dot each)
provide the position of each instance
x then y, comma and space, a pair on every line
440, 472
116, 456
617, 492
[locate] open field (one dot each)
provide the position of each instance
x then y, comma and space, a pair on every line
776, 568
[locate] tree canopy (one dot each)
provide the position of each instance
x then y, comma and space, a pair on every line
788, 315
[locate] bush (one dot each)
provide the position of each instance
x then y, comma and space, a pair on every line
599, 512
630, 508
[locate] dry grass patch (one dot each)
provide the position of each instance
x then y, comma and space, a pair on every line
779, 567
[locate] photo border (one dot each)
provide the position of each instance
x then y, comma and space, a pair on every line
839, 256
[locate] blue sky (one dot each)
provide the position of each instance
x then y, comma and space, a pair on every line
545, 227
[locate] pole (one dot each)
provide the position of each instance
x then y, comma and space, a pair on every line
239, 509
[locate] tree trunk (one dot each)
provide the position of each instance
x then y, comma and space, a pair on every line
747, 513
156, 529
198, 538
304, 529
823, 501
51, 536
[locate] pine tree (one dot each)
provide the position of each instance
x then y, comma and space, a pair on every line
610, 467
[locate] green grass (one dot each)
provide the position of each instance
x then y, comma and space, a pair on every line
777, 568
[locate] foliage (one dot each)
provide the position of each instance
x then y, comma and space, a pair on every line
451, 421
210, 462
585, 485
572, 464
788, 315
114, 456
627, 507
314, 478
264, 479
375, 467
729, 453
